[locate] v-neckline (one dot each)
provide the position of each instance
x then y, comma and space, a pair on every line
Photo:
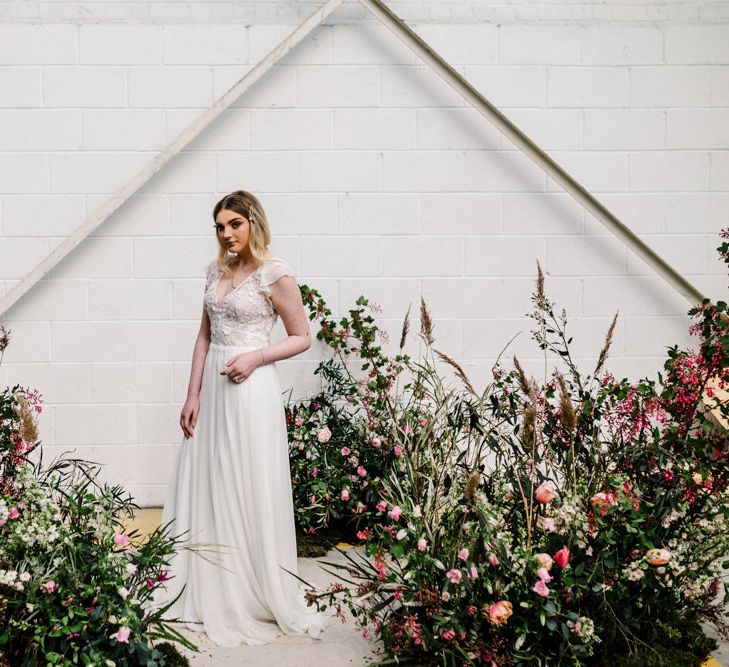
219, 299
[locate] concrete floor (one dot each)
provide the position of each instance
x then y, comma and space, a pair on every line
341, 645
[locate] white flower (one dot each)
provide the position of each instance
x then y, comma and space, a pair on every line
123, 591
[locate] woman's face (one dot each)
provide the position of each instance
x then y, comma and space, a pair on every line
233, 230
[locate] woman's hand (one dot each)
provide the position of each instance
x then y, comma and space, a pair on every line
242, 365
188, 416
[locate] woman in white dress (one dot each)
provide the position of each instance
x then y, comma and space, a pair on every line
232, 483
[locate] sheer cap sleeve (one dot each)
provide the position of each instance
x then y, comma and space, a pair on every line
272, 270
210, 270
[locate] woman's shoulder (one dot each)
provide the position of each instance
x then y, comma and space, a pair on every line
272, 268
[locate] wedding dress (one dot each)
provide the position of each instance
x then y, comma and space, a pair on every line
231, 485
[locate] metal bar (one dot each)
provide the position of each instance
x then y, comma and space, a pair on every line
546, 163
163, 157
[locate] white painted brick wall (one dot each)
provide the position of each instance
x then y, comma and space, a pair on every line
378, 179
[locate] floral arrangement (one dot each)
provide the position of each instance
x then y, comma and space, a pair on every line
72, 582
338, 454
578, 519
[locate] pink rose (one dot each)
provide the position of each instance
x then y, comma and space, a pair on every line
376, 442
546, 492
463, 554
121, 539
49, 586
562, 557
346, 451
493, 560
345, 494
123, 635
422, 421
448, 634
13, 513
540, 588
324, 434
474, 572
381, 506
395, 512
299, 421
422, 543
314, 472
361, 471
454, 576
407, 428
499, 612
397, 449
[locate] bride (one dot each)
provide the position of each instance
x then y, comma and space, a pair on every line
232, 483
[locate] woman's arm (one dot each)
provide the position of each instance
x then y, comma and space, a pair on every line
286, 299
188, 416
199, 354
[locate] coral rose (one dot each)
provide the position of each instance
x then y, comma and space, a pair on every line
499, 612
546, 492
658, 556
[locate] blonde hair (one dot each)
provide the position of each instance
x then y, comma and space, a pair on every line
247, 205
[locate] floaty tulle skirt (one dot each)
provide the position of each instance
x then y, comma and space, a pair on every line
231, 486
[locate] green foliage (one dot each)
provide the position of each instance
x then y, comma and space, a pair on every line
578, 519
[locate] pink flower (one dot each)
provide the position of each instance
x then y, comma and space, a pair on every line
346, 451
546, 492
562, 557
13, 513
381, 506
376, 442
463, 554
361, 471
493, 560
540, 588
422, 543
471, 609
546, 523
345, 494
454, 576
314, 472
544, 575
395, 512
407, 428
324, 434
397, 449
499, 612
474, 572
422, 421
49, 586
312, 499
123, 635
121, 539
448, 634
299, 421
361, 507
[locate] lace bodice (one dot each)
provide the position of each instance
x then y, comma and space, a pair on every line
245, 315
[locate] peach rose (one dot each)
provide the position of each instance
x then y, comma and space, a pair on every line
544, 560
499, 612
658, 556
546, 492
